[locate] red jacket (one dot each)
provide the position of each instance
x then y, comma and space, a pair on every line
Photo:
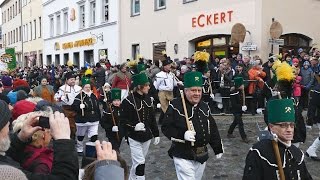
121, 83
255, 74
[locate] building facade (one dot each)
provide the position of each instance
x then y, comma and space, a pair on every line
183, 26
11, 27
32, 32
82, 31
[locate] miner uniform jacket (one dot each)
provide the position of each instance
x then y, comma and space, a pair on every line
261, 162
91, 110
107, 122
129, 117
174, 126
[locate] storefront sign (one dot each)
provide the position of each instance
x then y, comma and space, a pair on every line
279, 42
80, 43
249, 46
218, 18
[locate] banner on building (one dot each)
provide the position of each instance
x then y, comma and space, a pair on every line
9, 58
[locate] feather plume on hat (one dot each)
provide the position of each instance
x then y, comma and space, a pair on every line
88, 72
285, 78
132, 63
201, 61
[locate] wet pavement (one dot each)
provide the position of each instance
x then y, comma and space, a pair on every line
159, 166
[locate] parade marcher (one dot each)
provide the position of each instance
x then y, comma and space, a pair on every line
138, 117
44, 90
66, 95
262, 162
110, 120
311, 151
237, 107
99, 75
189, 145
122, 80
88, 114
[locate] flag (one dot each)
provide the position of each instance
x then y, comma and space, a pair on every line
12, 64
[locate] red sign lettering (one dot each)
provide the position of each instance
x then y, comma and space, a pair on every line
203, 20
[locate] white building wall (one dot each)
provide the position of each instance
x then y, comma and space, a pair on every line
109, 30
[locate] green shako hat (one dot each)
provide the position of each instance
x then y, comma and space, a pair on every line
85, 80
141, 67
115, 93
281, 110
140, 79
238, 81
193, 79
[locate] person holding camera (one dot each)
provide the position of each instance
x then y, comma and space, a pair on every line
65, 162
138, 117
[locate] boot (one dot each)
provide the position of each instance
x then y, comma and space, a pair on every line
79, 146
311, 151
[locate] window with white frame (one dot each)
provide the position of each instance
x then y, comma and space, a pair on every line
160, 4
65, 22
40, 27
51, 26
187, 1
105, 11
35, 29
58, 24
82, 17
92, 12
135, 50
13, 11
20, 33
30, 31
16, 10
17, 35
135, 7
27, 31
14, 36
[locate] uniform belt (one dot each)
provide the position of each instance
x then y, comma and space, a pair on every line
200, 150
315, 91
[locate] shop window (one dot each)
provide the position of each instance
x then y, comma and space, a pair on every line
159, 4
219, 41
294, 41
65, 22
135, 7
105, 11
135, 50
188, 1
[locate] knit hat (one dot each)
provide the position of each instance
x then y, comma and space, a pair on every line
4, 98
5, 114
6, 81
11, 173
19, 82
13, 97
21, 95
22, 107
295, 60
306, 63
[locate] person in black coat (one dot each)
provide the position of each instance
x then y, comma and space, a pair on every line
139, 120
88, 114
110, 120
261, 162
189, 146
237, 108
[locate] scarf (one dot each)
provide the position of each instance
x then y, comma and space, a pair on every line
122, 75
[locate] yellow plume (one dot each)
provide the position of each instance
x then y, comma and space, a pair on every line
164, 52
276, 64
132, 63
88, 72
139, 56
201, 56
285, 72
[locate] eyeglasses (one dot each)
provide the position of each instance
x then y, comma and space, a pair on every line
285, 125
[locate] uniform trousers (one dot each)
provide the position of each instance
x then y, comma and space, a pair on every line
139, 152
188, 169
164, 98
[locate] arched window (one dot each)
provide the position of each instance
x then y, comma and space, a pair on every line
294, 41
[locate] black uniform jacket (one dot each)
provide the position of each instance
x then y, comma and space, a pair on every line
129, 117
91, 110
107, 122
65, 162
261, 162
236, 102
174, 126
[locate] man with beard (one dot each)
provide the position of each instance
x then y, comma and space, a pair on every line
261, 161
66, 95
65, 163
189, 146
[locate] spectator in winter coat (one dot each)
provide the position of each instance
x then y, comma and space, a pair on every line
297, 88
122, 80
99, 75
307, 76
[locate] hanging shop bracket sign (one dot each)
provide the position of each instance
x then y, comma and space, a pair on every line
279, 42
249, 46
79, 43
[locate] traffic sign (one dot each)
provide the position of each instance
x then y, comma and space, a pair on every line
277, 41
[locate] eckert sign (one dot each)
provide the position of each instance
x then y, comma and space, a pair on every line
211, 19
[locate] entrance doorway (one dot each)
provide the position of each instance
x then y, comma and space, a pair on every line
65, 58
57, 60
49, 60
88, 57
76, 59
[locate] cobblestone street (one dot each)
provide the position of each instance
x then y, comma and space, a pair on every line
159, 166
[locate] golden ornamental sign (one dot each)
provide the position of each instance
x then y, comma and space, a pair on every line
79, 43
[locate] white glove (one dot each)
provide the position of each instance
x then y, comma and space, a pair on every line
190, 136
180, 83
220, 105
244, 108
152, 99
212, 96
259, 111
64, 98
82, 106
115, 129
140, 127
158, 105
218, 156
105, 100
156, 140
274, 93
